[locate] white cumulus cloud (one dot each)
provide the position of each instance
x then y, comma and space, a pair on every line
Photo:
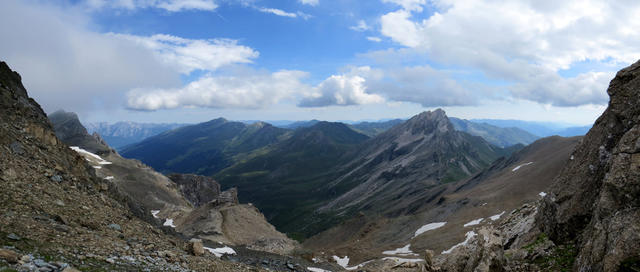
343, 90
525, 43
248, 89
188, 55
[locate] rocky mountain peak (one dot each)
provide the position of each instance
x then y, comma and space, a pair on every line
430, 121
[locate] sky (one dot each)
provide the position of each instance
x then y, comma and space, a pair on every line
195, 60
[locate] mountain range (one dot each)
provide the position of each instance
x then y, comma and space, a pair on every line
431, 193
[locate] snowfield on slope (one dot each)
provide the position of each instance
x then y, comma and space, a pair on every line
89, 155
519, 166
403, 251
221, 251
496, 217
469, 235
428, 227
474, 222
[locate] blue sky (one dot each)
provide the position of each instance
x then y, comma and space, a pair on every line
195, 60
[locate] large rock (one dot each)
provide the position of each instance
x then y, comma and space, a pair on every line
198, 190
195, 247
595, 201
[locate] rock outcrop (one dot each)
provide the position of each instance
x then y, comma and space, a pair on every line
198, 190
590, 221
595, 201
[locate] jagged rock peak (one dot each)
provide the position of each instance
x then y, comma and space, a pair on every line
430, 121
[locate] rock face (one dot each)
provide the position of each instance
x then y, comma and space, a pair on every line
596, 198
69, 129
590, 221
197, 189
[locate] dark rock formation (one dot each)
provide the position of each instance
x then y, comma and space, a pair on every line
70, 131
198, 190
596, 198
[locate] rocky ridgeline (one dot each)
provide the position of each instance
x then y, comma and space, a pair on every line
591, 219
55, 213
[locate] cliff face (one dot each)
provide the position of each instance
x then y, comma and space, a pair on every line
596, 198
590, 220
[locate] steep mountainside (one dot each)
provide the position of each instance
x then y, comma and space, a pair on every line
121, 134
55, 208
590, 219
205, 148
193, 205
284, 180
502, 137
423, 152
434, 218
69, 129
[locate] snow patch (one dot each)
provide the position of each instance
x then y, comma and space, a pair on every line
344, 262
496, 217
474, 222
97, 167
542, 194
469, 235
221, 251
403, 251
109, 178
313, 269
155, 213
518, 167
88, 155
428, 227
169, 223
403, 260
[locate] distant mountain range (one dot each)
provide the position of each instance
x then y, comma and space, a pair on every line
498, 132
540, 129
121, 134
205, 148
292, 173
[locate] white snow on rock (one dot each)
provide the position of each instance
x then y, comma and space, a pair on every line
428, 227
474, 222
496, 217
314, 269
542, 194
155, 213
88, 155
169, 223
469, 235
221, 251
403, 260
97, 167
109, 178
518, 167
344, 262
403, 251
